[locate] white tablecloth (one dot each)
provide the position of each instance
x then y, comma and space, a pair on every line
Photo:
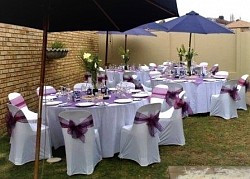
198, 95
107, 119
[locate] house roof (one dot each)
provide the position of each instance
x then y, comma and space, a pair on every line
239, 24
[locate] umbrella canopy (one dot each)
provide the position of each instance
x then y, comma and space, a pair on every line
192, 22
153, 26
65, 15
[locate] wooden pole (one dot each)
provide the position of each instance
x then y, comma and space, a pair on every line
42, 76
107, 48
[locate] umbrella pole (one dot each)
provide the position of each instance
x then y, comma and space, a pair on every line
107, 47
42, 76
190, 38
125, 47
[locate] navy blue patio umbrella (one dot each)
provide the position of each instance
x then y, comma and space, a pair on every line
192, 22
74, 15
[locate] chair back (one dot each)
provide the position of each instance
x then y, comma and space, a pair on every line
158, 95
129, 76
82, 86
222, 74
154, 74
243, 82
149, 114
16, 99
47, 90
125, 84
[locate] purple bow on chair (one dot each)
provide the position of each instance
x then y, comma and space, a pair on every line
172, 95
152, 122
214, 69
180, 103
128, 78
232, 92
11, 121
77, 131
243, 82
86, 77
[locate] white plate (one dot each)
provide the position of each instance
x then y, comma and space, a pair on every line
84, 104
52, 103
209, 79
49, 97
123, 100
140, 95
135, 90
219, 77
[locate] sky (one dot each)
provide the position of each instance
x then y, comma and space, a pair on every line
215, 8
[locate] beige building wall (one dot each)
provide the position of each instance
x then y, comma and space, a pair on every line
230, 51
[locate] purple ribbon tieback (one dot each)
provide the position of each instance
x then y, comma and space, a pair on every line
172, 96
180, 103
77, 131
12, 120
214, 69
128, 78
243, 82
86, 77
152, 122
232, 92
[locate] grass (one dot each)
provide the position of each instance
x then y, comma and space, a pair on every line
210, 141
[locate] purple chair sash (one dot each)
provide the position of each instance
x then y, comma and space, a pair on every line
180, 103
86, 77
128, 78
232, 92
159, 93
214, 69
152, 122
172, 96
243, 82
18, 102
77, 131
12, 120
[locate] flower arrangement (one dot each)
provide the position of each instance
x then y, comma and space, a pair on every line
91, 63
125, 55
188, 54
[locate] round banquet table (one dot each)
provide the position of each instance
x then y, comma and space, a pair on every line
108, 119
198, 92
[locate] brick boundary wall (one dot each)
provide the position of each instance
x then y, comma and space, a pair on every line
20, 63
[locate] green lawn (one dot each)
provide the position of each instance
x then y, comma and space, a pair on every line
209, 141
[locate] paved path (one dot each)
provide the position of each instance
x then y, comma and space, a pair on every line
209, 172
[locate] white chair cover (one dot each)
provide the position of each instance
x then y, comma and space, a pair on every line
171, 121
222, 74
242, 87
155, 74
159, 96
47, 90
136, 142
144, 68
80, 86
223, 104
83, 152
16, 99
23, 138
